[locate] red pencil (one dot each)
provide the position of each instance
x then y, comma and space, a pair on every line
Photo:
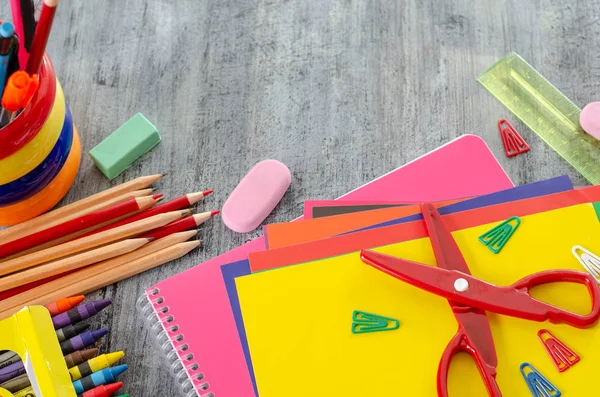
64, 304
75, 225
181, 225
171, 205
40, 37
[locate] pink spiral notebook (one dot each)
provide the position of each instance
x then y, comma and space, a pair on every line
191, 311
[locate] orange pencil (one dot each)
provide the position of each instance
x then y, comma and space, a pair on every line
64, 304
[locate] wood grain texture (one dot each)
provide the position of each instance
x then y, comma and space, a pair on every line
340, 91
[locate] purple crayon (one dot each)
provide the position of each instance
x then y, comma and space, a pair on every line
82, 341
11, 371
80, 313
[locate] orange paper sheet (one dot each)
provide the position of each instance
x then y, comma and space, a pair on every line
302, 231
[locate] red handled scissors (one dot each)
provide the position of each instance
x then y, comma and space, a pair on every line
470, 298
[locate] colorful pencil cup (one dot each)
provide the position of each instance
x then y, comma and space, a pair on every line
40, 153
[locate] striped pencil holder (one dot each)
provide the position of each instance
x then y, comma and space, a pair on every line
39, 153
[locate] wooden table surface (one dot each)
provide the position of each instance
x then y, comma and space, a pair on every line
340, 91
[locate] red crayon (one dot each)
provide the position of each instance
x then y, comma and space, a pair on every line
64, 304
181, 225
171, 205
102, 391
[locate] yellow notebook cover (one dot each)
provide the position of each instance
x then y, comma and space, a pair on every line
298, 318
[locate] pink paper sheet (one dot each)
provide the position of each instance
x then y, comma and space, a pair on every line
197, 298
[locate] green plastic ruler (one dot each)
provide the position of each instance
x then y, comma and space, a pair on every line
544, 109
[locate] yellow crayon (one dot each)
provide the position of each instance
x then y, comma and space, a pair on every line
95, 364
26, 392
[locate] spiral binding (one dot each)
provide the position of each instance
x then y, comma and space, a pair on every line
172, 343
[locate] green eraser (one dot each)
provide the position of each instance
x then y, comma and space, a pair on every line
121, 148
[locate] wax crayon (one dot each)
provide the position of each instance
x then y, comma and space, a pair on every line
26, 392
95, 364
70, 331
8, 357
102, 391
80, 313
80, 341
64, 304
79, 357
103, 377
11, 371
16, 384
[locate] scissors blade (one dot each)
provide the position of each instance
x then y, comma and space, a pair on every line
448, 256
447, 253
441, 282
477, 327
433, 279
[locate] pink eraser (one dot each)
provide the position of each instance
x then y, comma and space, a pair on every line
590, 119
256, 196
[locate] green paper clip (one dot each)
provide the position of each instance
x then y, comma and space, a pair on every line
363, 322
496, 238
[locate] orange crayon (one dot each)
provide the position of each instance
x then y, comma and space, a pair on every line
64, 304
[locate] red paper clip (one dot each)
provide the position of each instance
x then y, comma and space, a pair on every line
513, 142
563, 357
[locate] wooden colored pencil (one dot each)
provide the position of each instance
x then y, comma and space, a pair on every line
124, 208
61, 266
77, 208
52, 290
188, 223
178, 203
86, 243
134, 267
73, 236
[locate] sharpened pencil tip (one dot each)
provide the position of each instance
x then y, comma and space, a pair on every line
151, 239
164, 174
215, 212
207, 192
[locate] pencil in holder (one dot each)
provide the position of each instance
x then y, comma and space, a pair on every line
40, 153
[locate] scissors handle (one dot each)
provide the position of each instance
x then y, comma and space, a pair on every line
544, 311
461, 343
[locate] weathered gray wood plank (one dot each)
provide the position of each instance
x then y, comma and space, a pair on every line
340, 91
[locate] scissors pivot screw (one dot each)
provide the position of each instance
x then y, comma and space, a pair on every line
461, 285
